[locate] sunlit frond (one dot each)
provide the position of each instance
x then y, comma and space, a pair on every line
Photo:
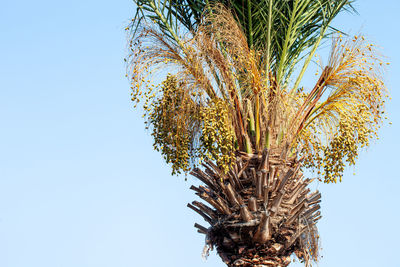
351, 113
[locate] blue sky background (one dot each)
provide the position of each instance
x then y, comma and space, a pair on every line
80, 185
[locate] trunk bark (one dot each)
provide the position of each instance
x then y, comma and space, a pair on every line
262, 212
254, 260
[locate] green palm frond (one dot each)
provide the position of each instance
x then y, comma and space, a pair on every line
285, 30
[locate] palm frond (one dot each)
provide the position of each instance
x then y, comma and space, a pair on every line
284, 30
215, 65
351, 113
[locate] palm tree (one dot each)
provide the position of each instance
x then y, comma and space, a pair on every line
220, 82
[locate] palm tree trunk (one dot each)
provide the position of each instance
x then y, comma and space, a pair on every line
261, 210
250, 259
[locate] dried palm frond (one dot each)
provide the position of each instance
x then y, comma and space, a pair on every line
213, 67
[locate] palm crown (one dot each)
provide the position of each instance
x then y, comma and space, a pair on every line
233, 87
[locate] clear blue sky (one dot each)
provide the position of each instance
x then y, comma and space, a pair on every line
79, 183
